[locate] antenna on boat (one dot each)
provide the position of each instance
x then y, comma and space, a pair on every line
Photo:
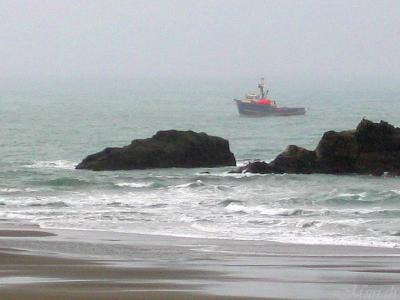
261, 87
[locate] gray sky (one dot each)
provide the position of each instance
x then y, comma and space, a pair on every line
305, 40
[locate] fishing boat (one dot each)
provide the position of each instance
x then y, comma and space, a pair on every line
258, 105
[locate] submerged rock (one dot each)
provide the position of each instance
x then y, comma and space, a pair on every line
372, 148
170, 148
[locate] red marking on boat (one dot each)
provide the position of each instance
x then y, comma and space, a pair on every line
265, 101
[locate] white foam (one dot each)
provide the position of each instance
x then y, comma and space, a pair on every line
261, 209
53, 164
10, 190
351, 195
134, 184
190, 184
396, 191
188, 207
17, 190
303, 232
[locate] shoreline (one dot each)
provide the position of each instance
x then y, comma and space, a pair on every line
38, 231
33, 231
37, 263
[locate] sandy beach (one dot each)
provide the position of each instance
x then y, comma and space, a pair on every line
65, 264
40, 277
37, 275
199, 150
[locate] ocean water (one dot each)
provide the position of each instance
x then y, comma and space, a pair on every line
47, 128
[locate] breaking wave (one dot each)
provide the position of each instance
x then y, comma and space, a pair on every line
135, 184
53, 164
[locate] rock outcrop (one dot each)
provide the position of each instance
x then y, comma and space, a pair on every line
171, 148
372, 148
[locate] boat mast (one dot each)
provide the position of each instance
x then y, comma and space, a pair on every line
261, 87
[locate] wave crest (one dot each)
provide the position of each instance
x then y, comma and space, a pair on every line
52, 164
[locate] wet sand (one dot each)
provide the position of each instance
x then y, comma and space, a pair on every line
24, 233
34, 277
63, 264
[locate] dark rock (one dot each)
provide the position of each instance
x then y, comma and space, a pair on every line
335, 145
372, 148
258, 167
337, 152
377, 137
293, 160
171, 148
253, 167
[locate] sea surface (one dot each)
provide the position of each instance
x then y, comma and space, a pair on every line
46, 128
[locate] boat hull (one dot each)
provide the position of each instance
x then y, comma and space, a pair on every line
257, 110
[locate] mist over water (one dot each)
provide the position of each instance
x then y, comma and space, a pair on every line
47, 128
307, 41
